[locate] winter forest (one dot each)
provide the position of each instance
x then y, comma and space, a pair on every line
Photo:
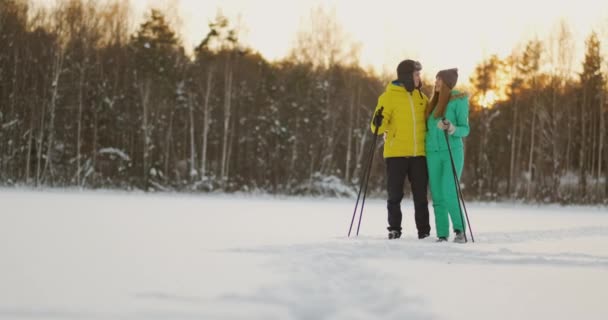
87, 102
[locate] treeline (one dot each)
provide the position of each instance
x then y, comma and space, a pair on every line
87, 102
546, 140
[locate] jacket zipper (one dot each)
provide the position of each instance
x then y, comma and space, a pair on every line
414, 121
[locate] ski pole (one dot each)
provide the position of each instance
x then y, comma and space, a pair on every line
365, 177
458, 190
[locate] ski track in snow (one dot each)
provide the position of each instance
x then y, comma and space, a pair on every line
327, 287
321, 275
333, 271
334, 260
410, 250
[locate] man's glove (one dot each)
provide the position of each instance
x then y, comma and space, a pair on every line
378, 119
445, 124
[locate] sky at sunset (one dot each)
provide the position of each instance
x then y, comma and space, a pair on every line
441, 34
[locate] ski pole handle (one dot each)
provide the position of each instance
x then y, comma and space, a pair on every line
448, 127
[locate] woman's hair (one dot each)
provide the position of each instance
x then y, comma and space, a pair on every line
439, 101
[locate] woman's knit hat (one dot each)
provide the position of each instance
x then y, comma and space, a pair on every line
449, 77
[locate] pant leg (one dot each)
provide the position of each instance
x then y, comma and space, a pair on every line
436, 168
451, 194
419, 180
396, 169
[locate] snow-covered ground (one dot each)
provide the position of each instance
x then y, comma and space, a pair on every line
72, 255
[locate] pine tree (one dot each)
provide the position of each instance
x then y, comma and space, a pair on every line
157, 54
485, 85
591, 113
529, 69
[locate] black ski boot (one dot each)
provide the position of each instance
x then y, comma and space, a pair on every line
423, 235
394, 234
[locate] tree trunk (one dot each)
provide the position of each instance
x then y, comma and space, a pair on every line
359, 169
582, 151
513, 145
168, 146
349, 139
600, 144
556, 155
30, 133
227, 113
294, 149
192, 173
232, 133
144, 94
592, 150
327, 156
7, 161
568, 144
606, 160
531, 155
482, 173
39, 143
206, 121
79, 130
94, 160
519, 152
30, 140
57, 69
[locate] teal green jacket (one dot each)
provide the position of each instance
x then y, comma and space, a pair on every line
457, 112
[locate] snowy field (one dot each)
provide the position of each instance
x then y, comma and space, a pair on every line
72, 255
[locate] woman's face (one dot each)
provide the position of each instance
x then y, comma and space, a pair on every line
438, 84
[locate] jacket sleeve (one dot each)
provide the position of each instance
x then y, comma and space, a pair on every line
462, 119
387, 117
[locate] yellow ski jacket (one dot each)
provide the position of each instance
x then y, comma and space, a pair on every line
404, 121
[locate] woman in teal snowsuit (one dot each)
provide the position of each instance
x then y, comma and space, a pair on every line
452, 105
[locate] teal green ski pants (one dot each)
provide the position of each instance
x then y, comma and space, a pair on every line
443, 189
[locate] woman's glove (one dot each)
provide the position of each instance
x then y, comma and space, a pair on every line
445, 124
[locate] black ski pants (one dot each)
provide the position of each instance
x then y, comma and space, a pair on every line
415, 169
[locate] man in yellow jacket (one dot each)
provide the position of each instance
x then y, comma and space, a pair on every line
404, 127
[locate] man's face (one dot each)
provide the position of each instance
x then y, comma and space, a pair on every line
417, 78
